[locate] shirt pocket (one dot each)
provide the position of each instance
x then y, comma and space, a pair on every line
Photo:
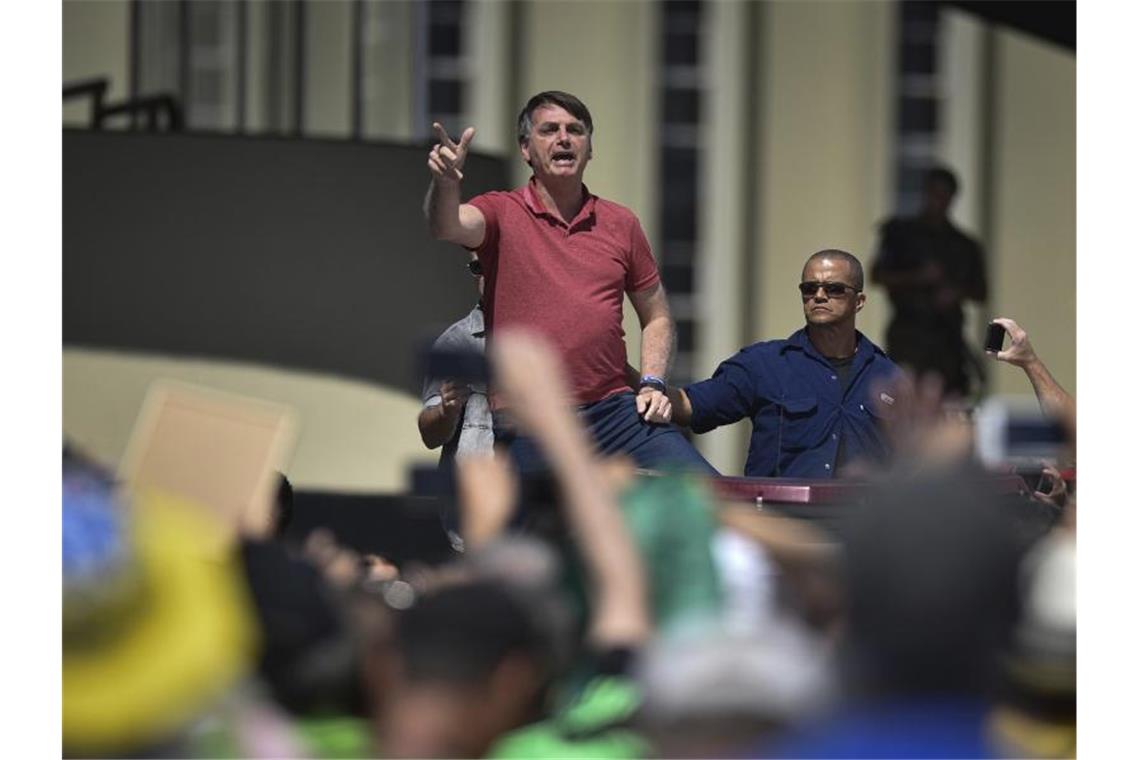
800, 424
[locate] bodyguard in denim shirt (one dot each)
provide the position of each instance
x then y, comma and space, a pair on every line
809, 397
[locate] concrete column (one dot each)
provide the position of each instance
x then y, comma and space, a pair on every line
490, 108
961, 134
723, 212
388, 75
328, 68
962, 137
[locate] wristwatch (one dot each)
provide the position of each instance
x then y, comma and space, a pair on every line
654, 382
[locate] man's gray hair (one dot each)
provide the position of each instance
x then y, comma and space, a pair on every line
573, 106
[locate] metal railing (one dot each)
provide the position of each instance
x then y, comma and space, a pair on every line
159, 112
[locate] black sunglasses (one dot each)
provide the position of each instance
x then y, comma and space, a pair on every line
475, 267
832, 289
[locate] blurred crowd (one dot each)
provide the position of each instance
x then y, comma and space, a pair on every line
594, 609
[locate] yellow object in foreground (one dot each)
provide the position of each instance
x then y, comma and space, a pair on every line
180, 643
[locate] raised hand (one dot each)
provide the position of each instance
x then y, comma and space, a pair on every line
453, 397
447, 157
1020, 351
922, 432
1058, 489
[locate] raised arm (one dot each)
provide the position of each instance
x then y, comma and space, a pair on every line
1054, 401
447, 218
529, 375
657, 336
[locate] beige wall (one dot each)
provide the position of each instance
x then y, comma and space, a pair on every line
95, 44
1033, 245
603, 52
351, 436
824, 122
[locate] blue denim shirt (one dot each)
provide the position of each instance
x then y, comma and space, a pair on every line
795, 401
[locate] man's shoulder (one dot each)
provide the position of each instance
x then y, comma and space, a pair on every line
500, 197
614, 210
766, 349
462, 331
895, 224
964, 238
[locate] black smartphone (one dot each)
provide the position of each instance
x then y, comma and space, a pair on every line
995, 337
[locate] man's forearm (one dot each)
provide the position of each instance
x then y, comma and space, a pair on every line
436, 427
657, 339
682, 407
441, 208
614, 566
1054, 401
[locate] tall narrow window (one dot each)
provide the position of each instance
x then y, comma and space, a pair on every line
682, 84
444, 65
918, 100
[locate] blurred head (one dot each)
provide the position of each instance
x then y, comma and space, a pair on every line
555, 134
831, 288
939, 186
1043, 662
308, 657
710, 693
531, 570
470, 667
932, 587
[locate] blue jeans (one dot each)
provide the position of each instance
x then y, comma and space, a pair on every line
616, 429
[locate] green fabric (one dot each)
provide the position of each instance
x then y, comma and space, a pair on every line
333, 738
671, 518
336, 737
594, 726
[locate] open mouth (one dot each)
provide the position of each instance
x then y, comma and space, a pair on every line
564, 158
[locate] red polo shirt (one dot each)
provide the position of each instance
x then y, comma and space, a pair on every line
565, 281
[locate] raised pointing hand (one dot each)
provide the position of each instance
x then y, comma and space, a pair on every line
446, 159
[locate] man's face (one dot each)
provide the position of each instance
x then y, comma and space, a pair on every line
823, 309
936, 199
558, 146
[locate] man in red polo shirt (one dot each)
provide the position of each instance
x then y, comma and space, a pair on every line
557, 260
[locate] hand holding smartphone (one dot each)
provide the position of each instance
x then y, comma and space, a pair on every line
995, 338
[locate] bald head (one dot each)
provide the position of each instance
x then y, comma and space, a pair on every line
836, 255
